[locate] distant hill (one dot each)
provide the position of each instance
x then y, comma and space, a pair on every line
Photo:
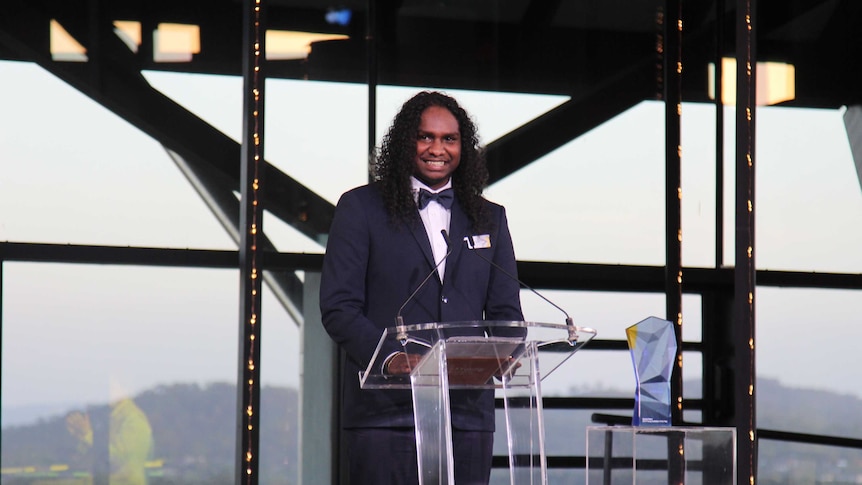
193, 437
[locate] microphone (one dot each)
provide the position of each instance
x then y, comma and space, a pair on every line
399, 320
573, 330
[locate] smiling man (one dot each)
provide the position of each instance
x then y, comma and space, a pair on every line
438, 147
384, 240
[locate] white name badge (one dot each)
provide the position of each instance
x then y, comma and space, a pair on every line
480, 241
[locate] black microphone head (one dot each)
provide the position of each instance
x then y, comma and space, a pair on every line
446, 238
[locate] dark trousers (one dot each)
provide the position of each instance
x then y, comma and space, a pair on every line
387, 456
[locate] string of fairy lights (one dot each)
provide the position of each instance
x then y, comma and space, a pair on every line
669, 69
673, 114
252, 228
748, 103
750, 270
678, 294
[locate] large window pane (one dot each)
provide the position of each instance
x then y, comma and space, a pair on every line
809, 199
73, 172
279, 407
808, 343
119, 373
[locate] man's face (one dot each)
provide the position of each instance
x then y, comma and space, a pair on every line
438, 147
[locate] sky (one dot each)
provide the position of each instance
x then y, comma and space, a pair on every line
72, 172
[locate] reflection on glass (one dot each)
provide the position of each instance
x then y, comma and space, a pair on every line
112, 447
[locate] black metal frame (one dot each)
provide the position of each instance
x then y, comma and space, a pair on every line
714, 285
113, 79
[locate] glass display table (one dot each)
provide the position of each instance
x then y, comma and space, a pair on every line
661, 455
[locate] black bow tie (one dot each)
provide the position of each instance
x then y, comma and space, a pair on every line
444, 198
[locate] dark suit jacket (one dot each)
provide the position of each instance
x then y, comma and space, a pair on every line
370, 269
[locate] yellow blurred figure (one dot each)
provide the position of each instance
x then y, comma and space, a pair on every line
130, 444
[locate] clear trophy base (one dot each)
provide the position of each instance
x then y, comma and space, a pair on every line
661, 455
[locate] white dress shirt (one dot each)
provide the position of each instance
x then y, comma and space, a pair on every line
435, 218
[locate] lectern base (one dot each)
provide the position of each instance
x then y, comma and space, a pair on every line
497, 357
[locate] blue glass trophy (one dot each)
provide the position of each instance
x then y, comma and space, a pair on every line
652, 343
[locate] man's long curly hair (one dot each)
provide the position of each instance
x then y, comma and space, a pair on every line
394, 164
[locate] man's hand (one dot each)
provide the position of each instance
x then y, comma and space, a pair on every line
505, 365
402, 363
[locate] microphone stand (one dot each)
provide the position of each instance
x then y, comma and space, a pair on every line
570, 324
399, 320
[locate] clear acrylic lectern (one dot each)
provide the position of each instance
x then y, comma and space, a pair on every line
512, 366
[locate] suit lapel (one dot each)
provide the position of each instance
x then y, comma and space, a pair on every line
459, 227
421, 237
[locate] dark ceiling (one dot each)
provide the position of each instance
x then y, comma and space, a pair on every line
603, 54
540, 46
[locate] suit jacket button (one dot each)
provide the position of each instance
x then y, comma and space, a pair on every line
444, 299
